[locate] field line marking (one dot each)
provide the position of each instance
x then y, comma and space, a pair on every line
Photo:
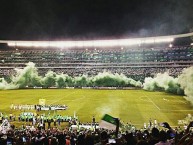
63, 97
177, 100
176, 110
78, 98
154, 104
145, 99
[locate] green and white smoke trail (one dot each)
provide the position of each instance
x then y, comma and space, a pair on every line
163, 82
28, 77
107, 79
7, 86
186, 82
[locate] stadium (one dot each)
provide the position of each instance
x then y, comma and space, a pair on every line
89, 79
104, 78
118, 68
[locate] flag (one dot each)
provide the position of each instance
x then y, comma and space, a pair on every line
108, 122
5, 126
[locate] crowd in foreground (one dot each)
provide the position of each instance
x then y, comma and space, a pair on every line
54, 135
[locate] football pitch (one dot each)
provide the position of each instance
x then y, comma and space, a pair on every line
137, 106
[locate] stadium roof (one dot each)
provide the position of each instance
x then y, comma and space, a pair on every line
96, 43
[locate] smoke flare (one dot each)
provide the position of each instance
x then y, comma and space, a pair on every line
28, 77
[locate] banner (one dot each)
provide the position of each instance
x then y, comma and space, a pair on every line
42, 101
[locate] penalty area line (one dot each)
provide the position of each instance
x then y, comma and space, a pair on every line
154, 104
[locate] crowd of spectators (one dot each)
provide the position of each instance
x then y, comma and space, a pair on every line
55, 135
101, 55
136, 63
45, 133
136, 73
131, 71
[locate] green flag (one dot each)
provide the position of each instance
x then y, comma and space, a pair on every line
108, 122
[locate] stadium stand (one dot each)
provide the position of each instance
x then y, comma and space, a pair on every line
136, 63
48, 131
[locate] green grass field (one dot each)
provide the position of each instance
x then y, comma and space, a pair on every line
137, 106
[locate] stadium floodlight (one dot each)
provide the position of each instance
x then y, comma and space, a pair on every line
191, 44
128, 42
164, 40
97, 43
43, 44
149, 41
88, 43
91, 43
11, 44
170, 45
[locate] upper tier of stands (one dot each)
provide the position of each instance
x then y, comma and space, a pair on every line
145, 61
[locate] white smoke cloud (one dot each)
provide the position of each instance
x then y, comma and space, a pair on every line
7, 86
162, 81
186, 82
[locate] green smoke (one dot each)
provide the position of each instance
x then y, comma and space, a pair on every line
163, 82
28, 77
186, 82
107, 79
6, 86
82, 81
50, 79
62, 80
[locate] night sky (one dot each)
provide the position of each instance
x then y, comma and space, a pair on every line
93, 19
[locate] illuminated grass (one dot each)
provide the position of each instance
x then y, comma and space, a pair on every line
137, 106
